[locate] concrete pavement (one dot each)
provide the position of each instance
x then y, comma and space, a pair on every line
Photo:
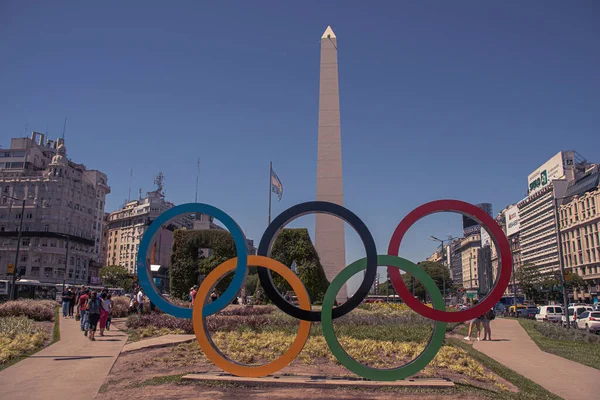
512, 347
73, 368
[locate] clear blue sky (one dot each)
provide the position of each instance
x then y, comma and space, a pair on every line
439, 99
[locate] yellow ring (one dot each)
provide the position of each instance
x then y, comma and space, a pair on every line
209, 348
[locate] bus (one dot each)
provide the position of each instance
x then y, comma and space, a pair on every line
510, 300
28, 289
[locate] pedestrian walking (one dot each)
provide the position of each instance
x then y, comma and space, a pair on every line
65, 303
82, 303
193, 292
474, 322
93, 308
140, 300
105, 310
485, 321
109, 320
71, 302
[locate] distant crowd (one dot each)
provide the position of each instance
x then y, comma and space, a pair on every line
94, 310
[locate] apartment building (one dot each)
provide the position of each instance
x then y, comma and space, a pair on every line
580, 233
63, 206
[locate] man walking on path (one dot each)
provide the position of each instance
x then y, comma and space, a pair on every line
66, 296
83, 311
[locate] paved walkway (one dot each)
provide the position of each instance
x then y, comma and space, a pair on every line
160, 341
73, 368
513, 347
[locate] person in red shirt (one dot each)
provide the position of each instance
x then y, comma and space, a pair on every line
83, 311
193, 294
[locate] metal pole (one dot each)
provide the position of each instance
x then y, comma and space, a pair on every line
270, 174
514, 289
443, 275
560, 263
14, 276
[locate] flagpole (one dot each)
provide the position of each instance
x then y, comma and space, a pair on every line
270, 175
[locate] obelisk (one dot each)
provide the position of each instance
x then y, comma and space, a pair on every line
329, 230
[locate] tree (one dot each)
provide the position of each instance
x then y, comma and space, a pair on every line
436, 271
116, 276
295, 245
530, 280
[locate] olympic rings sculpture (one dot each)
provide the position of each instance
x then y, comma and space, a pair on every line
303, 312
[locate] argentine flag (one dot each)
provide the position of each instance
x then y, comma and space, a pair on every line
276, 186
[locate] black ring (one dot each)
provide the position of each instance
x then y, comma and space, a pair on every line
264, 249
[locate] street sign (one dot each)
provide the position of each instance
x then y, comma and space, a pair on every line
10, 270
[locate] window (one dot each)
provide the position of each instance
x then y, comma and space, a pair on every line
558, 310
24, 258
48, 272
46, 228
550, 310
29, 216
35, 271
26, 242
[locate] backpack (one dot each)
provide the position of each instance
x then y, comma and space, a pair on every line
491, 315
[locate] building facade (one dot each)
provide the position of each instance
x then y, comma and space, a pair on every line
547, 185
64, 205
126, 227
508, 220
469, 252
456, 268
580, 234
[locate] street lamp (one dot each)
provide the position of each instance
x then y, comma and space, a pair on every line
16, 266
450, 239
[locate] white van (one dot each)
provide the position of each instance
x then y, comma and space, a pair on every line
575, 312
549, 313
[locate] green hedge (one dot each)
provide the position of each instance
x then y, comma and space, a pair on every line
290, 245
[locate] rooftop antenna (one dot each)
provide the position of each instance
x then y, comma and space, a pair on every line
130, 183
25, 131
197, 175
159, 182
140, 198
64, 128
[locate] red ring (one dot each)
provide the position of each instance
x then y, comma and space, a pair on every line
497, 236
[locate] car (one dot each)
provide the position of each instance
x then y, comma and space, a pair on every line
549, 313
499, 309
462, 307
589, 320
574, 312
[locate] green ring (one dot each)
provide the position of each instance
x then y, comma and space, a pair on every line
393, 374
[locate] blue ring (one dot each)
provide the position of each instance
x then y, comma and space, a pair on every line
144, 274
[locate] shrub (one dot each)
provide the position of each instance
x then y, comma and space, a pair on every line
120, 306
10, 326
19, 336
38, 310
557, 332
160, 321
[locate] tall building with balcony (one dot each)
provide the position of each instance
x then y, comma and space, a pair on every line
64, 204
508, 220
456, 268
469, 252
580, 233
126, 227
547, 186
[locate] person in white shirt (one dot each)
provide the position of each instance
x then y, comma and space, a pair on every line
140, 300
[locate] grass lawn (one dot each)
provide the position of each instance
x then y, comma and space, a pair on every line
579, 351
